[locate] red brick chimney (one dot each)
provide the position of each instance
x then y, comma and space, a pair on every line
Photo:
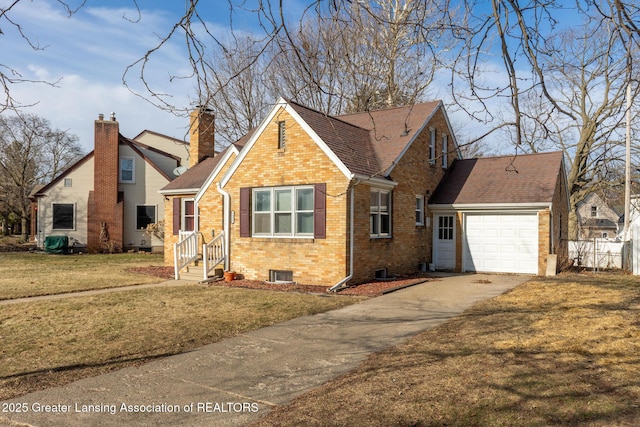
201, 135
106, 207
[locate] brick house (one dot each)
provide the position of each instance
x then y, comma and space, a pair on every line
502, 214
106, 199
318, 199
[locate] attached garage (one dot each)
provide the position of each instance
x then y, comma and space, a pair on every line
501, 243
508, 214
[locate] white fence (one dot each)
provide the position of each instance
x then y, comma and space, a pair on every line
597, 253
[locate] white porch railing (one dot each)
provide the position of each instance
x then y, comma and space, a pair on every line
185, 251
212, 254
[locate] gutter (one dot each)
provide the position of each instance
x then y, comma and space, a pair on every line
226, 225
338, 285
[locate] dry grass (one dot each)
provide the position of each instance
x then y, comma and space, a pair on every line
54, 342
25, 274
564, 351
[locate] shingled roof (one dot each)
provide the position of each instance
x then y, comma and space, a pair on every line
369, 143
195, 177
525, 178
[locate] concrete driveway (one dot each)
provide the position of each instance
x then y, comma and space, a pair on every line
238, 380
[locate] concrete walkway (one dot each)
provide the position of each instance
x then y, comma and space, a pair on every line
240, 379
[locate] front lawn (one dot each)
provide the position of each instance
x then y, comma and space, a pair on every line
24, 274
557, 351
50, 343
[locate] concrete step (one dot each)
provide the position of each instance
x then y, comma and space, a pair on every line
194, 273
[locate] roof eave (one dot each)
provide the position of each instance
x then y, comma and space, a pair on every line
489, 206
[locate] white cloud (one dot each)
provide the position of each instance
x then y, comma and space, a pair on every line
86, 56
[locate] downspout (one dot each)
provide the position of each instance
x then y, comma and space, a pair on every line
226, 225
351, 233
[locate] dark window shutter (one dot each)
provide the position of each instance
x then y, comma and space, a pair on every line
245, 213
176, 215
320, 211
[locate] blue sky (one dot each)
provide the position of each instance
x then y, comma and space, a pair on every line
88, 53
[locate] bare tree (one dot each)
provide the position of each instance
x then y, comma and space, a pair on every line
31, 152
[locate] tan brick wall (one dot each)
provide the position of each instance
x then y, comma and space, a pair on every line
544, 242
302, 162
561, 223
409, 244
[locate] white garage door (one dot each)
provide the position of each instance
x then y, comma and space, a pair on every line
501, 243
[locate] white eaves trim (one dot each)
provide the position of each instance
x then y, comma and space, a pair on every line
491, 207
282, 103
375, 182
179, 191
214, 173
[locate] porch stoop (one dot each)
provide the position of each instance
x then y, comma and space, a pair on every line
195, 272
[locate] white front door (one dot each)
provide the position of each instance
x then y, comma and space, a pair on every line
444, 242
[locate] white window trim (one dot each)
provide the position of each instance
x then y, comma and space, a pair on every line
155, 214
75, 218
183, 214
380, 235
294, 213
445, 140
133, 170
432, 146
420, 208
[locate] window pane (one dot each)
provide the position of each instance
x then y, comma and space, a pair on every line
262, 223
63, 216
384, 224
384, 202
283, 200
262, 201
145, 215
126, 169
189, 223
373, 224
283, 223
188, 207
374, 201
305, 199
305, 223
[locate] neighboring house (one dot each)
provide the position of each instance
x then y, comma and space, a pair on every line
501, 214
311, 198
596, 219
106, 200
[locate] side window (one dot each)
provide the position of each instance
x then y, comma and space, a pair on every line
63, 216
145, 215
127, 170
380, 214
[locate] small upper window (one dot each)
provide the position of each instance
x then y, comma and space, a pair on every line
127, 169
419, 210
68, 182
432, 146
445, 140
282, 136
594, 211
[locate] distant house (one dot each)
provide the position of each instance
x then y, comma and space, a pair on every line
106, 200
311, 198
596, 219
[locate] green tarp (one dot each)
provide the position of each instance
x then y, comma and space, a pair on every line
56, 244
